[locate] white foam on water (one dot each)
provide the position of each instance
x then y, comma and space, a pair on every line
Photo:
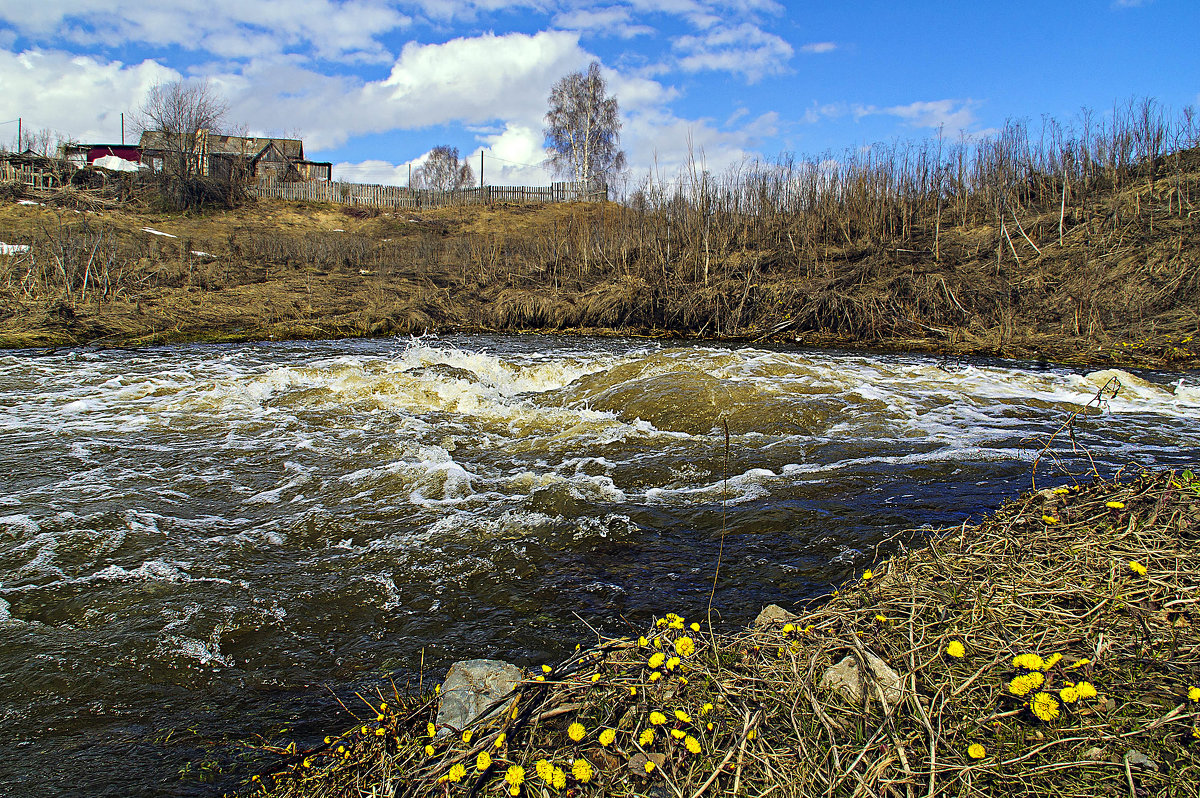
206, 653
20, 524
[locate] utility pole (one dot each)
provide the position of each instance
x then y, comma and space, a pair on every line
122, 128
18, 134
481, 168
410, 174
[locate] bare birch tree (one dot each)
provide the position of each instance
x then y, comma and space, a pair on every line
583, 128
443, 170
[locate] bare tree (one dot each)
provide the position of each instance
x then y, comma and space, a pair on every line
443, 170
583, 128
174, 114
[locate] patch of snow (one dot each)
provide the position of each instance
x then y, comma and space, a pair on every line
200, 254
154, 232
28, 202
13, 249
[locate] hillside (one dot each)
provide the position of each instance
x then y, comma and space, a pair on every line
1109, 274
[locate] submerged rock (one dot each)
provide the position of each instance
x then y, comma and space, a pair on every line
472, 687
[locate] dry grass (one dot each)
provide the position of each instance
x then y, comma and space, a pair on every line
1076, 243
1057, 574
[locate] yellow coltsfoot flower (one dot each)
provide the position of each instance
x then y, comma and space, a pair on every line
582, 771
1044, 706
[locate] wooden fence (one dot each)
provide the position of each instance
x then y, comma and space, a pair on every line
403, 197
29, 175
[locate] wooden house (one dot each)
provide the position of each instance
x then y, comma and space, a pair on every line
233, 157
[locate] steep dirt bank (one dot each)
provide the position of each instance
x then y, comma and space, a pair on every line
1113, 280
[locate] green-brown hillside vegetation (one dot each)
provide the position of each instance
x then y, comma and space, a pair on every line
1082, 250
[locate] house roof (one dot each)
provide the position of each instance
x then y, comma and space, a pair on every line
219, 144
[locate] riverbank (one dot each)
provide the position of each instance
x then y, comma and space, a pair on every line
1110, 278
1050, 650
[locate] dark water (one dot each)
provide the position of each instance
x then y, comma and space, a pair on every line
201, 544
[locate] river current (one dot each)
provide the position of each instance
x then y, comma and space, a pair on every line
202, 544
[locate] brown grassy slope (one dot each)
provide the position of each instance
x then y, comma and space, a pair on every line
1123, 285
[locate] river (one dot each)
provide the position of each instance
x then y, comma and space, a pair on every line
200, 544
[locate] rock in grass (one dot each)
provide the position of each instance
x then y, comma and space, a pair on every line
774, 615
846, 678
472, 686
1136, 759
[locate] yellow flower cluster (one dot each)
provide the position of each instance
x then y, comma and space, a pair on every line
671, 621
956, 649
1025, 683
976, 751
607, 737
1030, 662
576, 731
1137, 567
685, 646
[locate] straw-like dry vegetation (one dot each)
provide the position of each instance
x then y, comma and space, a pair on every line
1068, 241
1050, 650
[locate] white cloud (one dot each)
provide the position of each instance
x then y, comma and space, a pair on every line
479, 78
373, 171
513, 157
611, 21
80, 96
817, 48
333, 29
952, 115
745, 49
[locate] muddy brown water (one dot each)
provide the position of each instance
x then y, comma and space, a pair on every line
201, 544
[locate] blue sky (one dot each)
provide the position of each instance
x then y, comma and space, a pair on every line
373, 85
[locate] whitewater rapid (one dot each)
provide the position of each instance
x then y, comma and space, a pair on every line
195, 535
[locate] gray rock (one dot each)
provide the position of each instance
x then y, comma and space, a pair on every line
1136, 759
773, 615
471, 687
846, 678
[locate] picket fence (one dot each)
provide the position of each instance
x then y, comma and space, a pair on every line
29, 176
403, 197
